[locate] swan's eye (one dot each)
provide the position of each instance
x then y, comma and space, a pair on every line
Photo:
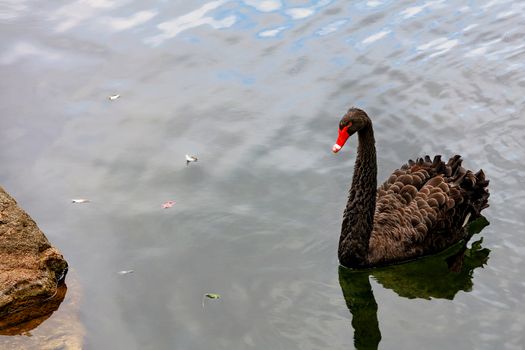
342, 125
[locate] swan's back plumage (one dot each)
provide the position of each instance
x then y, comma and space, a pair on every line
421, 209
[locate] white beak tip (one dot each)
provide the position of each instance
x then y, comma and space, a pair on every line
336, 148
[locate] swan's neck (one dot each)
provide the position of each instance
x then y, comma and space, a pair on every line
358, 218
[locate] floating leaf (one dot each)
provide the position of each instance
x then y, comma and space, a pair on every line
80, 200
212, 296
168, 204
125, 272
113, 97
190, 159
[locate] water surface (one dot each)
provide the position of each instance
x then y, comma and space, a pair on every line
256, 89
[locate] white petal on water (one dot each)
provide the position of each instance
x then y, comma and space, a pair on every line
191, 158
113, 97
125, 272
80, 200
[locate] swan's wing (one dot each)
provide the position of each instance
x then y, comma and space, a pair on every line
418, 208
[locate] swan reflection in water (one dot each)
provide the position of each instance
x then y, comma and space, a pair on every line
440, 277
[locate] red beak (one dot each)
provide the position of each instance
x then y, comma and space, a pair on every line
341, 139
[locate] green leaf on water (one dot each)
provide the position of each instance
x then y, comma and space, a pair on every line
212, 295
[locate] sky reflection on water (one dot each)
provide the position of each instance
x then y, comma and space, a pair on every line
255, 89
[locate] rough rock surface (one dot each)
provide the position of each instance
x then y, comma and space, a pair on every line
31, 270
62, 330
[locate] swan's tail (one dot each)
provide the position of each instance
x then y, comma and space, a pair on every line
474, 186
466, 187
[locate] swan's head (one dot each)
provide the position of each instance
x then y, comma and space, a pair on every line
352, 121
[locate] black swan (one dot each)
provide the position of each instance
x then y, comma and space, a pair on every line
420, 210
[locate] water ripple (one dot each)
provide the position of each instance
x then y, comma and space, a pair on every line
331, 27
377, 36
270, 33
255, 90
170, 29
265, 5
120, 23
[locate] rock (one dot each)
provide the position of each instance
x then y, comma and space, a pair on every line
32, 272
63, 330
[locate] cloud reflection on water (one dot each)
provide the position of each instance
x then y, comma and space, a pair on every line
265, 5
170, 29
331, 27
304, 12
11, 9
123, 23
26, 49
270, 33
73, 14
256, 101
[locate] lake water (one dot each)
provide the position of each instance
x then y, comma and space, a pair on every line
255, 89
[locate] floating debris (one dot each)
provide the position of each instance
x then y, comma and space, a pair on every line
80, 200
125, 272
212, 296
113, 97
190, 159
168, 204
